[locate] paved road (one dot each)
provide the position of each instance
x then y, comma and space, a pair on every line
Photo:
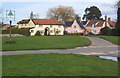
98, 47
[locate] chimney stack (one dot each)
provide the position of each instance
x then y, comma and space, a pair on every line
31, 15
105, 20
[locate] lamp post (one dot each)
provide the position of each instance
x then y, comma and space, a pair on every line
10, 29
10, 15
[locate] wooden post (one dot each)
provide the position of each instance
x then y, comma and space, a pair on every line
10, 30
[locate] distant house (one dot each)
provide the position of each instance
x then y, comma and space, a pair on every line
7, 27
44, 26
75, 26
94, 26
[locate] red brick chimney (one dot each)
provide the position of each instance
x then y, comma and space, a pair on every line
105, 20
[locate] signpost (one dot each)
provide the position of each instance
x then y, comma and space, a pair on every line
10, 16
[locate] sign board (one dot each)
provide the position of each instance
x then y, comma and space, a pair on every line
10, 15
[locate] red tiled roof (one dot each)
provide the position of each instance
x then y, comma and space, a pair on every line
24, 21
27, 28
112, 23
42, 21
91, 22
100, 23
47, 22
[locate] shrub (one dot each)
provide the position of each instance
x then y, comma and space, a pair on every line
65, 33
17, 31
75, 34
106, 31
90, 33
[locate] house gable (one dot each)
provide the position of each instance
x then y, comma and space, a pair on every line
76, 27
28, 23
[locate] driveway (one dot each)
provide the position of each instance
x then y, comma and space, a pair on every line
99, 47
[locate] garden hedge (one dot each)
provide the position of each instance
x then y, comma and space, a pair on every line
17, 31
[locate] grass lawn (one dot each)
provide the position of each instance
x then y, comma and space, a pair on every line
57, 65
44, 42
113, 39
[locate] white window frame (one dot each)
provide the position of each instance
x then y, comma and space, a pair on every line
59, 26
51, 26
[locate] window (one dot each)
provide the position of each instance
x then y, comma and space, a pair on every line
74, 26
41, 31
94, 31
59, 31
51, 26
59, 26
32, 31
51, 31
40, 25
76, 31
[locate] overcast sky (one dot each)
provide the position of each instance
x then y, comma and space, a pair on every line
24, 7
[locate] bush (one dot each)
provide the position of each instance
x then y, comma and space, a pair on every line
106, 31
37, 33
17, 31
116, 32
75, 34
90, 33
65, 33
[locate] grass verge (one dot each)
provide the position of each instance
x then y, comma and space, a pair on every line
113, 39
44, 42
57, 65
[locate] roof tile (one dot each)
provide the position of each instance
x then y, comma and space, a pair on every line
42, 21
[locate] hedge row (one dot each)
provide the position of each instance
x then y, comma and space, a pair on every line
17, 31
74, 33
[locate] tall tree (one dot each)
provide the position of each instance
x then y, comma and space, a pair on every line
63, 13
92, 13
116, 31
